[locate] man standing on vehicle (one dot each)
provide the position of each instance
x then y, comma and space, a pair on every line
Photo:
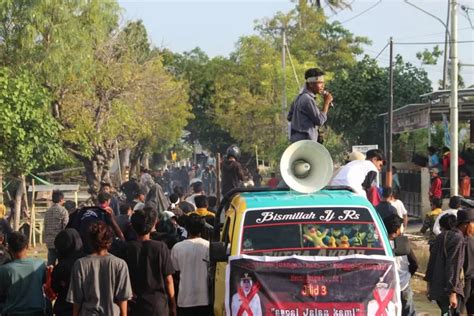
304, 115
360, 174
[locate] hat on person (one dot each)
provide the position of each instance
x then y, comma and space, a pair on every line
246, 277
168, 215
356, 155
434, 170
465, 215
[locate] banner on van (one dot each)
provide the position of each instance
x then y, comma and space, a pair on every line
312, 286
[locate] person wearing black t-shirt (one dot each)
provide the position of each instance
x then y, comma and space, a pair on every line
150, 269
385, 208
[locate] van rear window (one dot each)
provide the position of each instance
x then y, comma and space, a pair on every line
311, 232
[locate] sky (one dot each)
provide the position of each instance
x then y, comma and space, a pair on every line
216, 25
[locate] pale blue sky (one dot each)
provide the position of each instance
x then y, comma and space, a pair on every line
215, 26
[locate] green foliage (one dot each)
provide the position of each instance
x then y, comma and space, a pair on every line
312, 40
29, 134
362, 94
429, 57
200, 72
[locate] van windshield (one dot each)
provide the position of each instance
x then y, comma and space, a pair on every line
335, 231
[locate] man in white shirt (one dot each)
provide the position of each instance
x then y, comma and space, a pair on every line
359, 174
454, 205
190, 257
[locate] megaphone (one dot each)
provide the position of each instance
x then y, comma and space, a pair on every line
306, 166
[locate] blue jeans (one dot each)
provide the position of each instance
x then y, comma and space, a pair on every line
52, 256
408, 306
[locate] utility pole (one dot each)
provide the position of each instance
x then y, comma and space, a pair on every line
453, 105
445, 57
388, 179
283, 66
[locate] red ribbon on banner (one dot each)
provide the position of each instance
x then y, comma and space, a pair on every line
245, 305
383, 303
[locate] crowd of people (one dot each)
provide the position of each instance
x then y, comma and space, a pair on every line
140, 261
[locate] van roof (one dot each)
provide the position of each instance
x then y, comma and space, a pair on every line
259, 199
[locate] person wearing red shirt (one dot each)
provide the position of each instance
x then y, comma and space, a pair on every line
273, 182
436, 184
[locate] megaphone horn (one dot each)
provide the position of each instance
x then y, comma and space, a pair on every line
306, 166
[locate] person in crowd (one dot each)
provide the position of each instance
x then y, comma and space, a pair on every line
273, 181
150, 268
468, 270
174, 205
114, 201
206, 180
146, 180
436, 184
202, 204
83, 218
212, 201
68, 245
185, 206
190, 257
454, 206
168, 229
198, 189
304, 115
212, 171
430, 217
232, 171
130, 188
446, 161
5, 256
157, 199
396, 182
5, 228
70, 206
184, 177
406, 265
139, 200
401, 210
385, 208
433, 159
445, 265
360, 174
123, 221
464, 183
22, 280
257, 178
100, 282
55, 220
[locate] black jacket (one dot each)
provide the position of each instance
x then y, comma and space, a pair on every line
232, 174
443, 272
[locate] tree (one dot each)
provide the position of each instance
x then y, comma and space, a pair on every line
200, 72
332, 4
362, 95
94, 71
29, 136
311, 39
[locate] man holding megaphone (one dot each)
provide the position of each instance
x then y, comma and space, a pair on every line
304, 115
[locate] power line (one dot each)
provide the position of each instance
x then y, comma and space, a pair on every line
430, 34
430, 43
381, 51
366, 10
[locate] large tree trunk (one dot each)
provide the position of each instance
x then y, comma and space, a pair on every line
136, 156
18, 197
97, 168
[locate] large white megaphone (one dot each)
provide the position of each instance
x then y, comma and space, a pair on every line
306, 166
